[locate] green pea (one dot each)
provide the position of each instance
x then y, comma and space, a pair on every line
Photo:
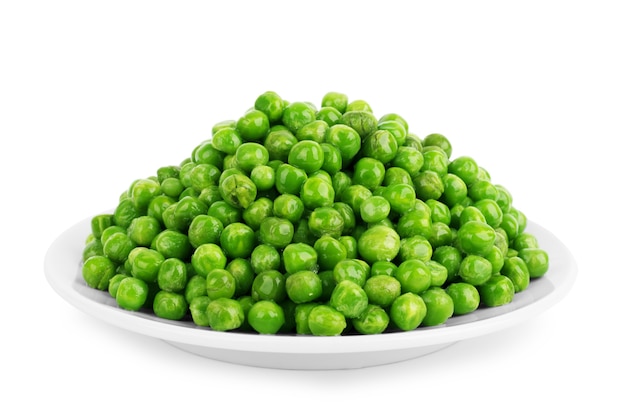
436, 161
475, 269
407, 311
374, 320
303, 286
253, 126
440, 141
204, 229
224, 314
196, 287
260, 209
368, 172
382, 289
326, 221
354, 195
415, 247
499, 290
397, 128
208, 257
324, 320
299, 257
302, 312
170, 305
413, 223
250, 155
401, 197
276, 232
450, 257
125, 212
271, 104
317, 192
381, 145
238, 190
227, 140
383, 268
172, 244
263, 177
157, 206
329, 252
536, 260
145, 263
264, 258
118, 246
374, 209
465, 297
350, 270
142, 192
475, 237
491, 211
237, 240
409, 159
516, 270
205, 153
132, 293
289, 179
414, 276
315, 131
220, 283
330, 115
428, 185
335, 100
379, 243
198, 308
465, 168
278, 144
172, 275
97, 271
504, 198
524, 240
454, 189
99, 223
203, 176
266, 317
346, 139
439, 306
114, 283
438, 273
269, 285
307, 155
221, 125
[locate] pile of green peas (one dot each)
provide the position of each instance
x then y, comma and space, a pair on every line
322, 221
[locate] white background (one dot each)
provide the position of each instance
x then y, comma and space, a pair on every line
95, 94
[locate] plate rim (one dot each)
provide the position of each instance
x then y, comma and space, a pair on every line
67, 248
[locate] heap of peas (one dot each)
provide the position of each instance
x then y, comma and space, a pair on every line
299, 220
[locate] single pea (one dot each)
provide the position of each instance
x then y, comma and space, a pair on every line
330, 115
196, 287
428, 185
157, 206
184, 211
362, 121
350, 270
475, 269
515, 269
475, 237
407, 311
409, 159
227, 140
241, 269
114, 283
368, 172
297, 114
396, 175
276, 232
383, 268
317, 192
289, 179
496, 257
198, 309
504, 198
99, 223
220, 284
379, 243
172, 244
303, 286
97, 271
238, 190
471, 213
264, 258
222, 124
253, 125
263, 177
332, 159
271, 104
208, 257
415, 247
441, 234
185, 173
374, 320
145, 263
491, 210
465, 168
205, 153
413, 141
170, 305
440, 141
435, 160
203, 176
396, 128
438, 273
92, 248
346, 139
299, 257
131, 293
278, 144
269, 285
499, 290
142, 230
465, 297
350, 243
335, 100
524, 240
454, 189
537, 261
260, 209
118, 246
324, 320
237, 240
172, 275
172, 187
307, 155
413, 223
381, 145
250, 155
266, 317
382, 289
439, 306
354, 195
401, 197
224, 314
204, 229
325, 220
374, 209
414, 276
450, 257
315, 131
142, 192
125, 212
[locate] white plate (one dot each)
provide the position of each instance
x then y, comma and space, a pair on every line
63, 271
